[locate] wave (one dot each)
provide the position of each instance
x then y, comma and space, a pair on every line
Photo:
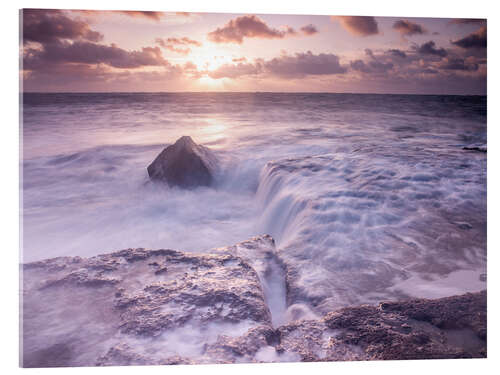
356, 230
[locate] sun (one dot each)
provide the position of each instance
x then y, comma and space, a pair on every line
210, 57
211, 83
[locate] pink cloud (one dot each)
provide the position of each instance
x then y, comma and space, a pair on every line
236, 30
172, 44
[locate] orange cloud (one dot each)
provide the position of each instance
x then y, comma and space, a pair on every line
155, 16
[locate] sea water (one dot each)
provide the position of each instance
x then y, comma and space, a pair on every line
367, 196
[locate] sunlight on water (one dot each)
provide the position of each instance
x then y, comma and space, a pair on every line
212, 131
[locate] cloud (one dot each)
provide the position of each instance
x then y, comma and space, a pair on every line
309, 29
475, 40
284, 66
182, 51
67, 45
428, 71
372, 66
405, 27
81, 52
302, 64
171, 43
184, 41
465, 21
235, 71
190, 66
419, 73
429, 48
49, 26
358, 25
64, 77
397, 53
63, 52
236, 30
101, 78
458, 64
155, 16
415, 74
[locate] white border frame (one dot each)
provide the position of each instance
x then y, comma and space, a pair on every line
9, 158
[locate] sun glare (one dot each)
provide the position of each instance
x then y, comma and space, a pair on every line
211, 130
210, 57
211, 83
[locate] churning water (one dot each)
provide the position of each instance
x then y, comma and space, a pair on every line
367, 196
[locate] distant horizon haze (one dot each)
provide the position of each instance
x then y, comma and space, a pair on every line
245, 92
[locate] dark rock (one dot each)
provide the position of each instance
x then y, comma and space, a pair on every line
414, 329
479, 148
457, 312
184, 164
406, 328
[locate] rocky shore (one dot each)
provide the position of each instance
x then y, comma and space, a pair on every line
155, 307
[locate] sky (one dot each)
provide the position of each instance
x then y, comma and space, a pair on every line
139, 51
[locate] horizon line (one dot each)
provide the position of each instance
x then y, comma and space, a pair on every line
241, 92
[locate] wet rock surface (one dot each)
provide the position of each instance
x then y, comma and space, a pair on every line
243, 348
313, 341
452, 327
184, 164
136, 298
159, 307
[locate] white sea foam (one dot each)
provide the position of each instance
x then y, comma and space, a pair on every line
269, 354
352, 226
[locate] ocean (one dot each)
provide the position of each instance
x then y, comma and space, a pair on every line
367, 196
